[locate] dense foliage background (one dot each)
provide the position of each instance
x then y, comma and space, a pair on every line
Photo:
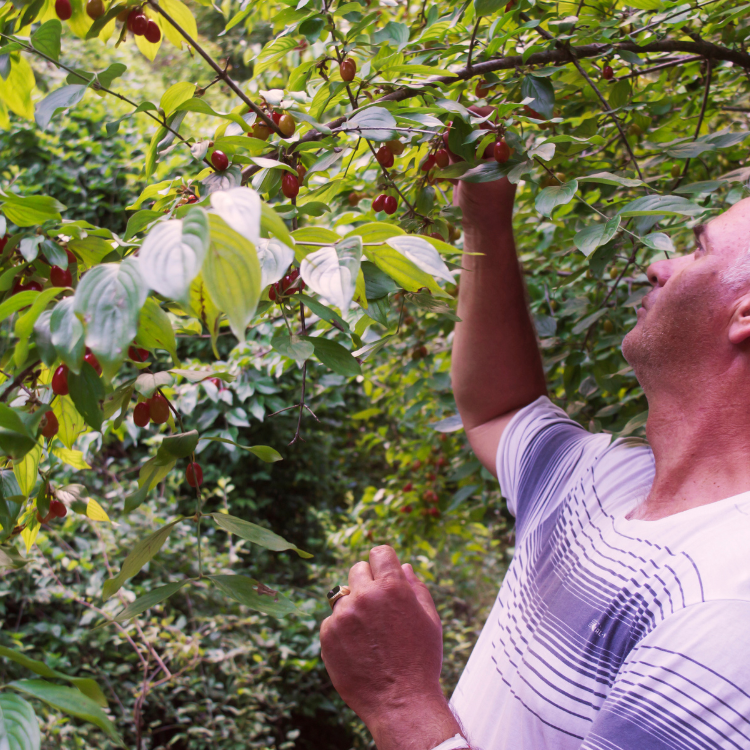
613, 166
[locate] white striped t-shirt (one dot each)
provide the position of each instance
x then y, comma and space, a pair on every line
609, 634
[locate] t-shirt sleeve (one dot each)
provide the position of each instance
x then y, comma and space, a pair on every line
686, 685
541, 452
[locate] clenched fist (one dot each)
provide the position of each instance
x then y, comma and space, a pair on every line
383, 649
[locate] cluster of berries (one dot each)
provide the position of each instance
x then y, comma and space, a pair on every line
154, 409
291, 283
60, 277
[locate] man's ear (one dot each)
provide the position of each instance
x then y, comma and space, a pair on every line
739, 328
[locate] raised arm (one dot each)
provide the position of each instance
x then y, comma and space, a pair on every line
497, 368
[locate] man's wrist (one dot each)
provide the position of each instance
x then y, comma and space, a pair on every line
420, 723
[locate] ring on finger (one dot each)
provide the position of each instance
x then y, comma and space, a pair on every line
336, 593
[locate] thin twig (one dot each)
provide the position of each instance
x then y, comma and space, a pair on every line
472, 42
704, 104
662, 66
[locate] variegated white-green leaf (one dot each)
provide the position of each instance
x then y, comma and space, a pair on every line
108, 301
422, 254
240, 208
231, 274
274, 257
66, 331
332, 272
172, 254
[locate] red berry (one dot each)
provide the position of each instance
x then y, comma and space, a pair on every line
194, 474
141, 413
132, 16
71, 258
607, 72
348, 69
408, 487
60, 276
390, 205
4, 242
301, 172
63, 9
436, 236
158, 409
441, 158
34, 286
430, 477
220, 161
428, 163
51, 425
60, 381
95, 9
276, 116
153, 32
430, 496
93, 361
384, 157
406, 509
137, 354
433, 512
272, 292
289, 185
58, 509
140, 24
501, 151
379, 203
417, 465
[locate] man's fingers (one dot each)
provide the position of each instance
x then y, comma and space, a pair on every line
359, 575
421, 592
384, 563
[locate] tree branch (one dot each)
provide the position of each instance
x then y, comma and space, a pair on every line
220, 72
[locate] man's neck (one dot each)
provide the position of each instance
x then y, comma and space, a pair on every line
701, 451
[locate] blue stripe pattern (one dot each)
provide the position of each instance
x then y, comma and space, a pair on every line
609, 634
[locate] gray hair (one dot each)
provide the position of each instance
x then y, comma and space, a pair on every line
737, 276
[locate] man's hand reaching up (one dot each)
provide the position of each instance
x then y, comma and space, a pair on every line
383, 649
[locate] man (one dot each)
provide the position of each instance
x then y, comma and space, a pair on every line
624, 618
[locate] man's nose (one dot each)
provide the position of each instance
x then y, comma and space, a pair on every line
659, 272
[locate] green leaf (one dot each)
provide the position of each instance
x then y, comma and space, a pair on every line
11, 557
102, 21
231, 273
422, 254
588, 239
32, 210
60, 99
16, 302
178, 446
149, 166
557, 195
87, 393
428, 302
155, 330
46, 38
108, 301
659, 241
619, 94
69, 701
71, 422
43, 338
323, 312
263, 452
172, 254
543, 94
689, 150
487, 7
655, 205
607, 178
272, 223
25, 323
27, 469
373, 123
293, 347
334, 356
148, 382
332, 272
19, 727
115, 70
151, 473
86, 685
273, 52
255, 534
17, 432
67, 334
55, 254
142, 553
400, 269
154, 597
140, 220
176, 95
248, 591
